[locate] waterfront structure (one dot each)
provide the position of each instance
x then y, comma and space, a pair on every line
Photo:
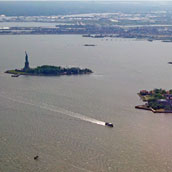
26, 66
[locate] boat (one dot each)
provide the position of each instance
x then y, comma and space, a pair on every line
36, 157
15, 75
89, 45
108, 124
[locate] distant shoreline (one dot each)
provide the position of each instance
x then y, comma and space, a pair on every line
94, 35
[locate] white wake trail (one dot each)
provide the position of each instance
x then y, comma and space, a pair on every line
72, 114
56, 109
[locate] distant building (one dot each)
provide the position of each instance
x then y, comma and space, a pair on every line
168, 96
26, 66
144, 92
167, 101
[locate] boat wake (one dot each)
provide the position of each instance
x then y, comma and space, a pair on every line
55, 109
71, 114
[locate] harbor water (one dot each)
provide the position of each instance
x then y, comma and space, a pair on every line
61, 119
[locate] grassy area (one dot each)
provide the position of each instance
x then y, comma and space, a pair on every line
15, 72
145, 98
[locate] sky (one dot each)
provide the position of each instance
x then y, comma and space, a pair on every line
163, 1
94, 0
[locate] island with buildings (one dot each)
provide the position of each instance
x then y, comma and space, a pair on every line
47, 70
157, 100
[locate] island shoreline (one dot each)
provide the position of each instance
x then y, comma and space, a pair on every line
47, 70
157, 100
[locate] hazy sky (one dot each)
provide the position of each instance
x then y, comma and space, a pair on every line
163, 1
92, 0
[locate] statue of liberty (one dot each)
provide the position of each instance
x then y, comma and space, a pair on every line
26, 62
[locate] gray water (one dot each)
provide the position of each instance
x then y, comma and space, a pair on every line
61, 119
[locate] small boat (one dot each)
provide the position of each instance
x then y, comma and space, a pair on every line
109, 124
15, 75
91, 45
36, 157
169, 62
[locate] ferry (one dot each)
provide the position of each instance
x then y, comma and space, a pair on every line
89, 45
109, 124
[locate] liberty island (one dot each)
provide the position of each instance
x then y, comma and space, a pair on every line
47, 70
